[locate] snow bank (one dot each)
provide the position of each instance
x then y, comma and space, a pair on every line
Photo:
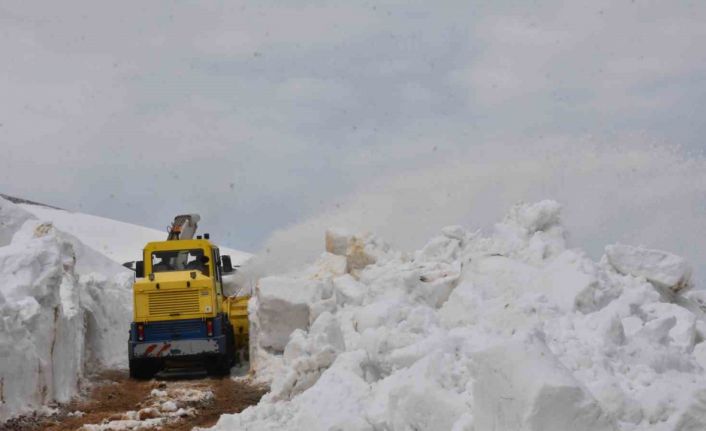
64, 309
510, 331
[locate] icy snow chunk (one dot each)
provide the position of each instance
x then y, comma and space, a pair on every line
535, 217
531, 232
157, 393
284, 305
359, 250
663, 269
373, 315
459, 309
455, 232
307, 356
570, 281
148, 413
682, 332
657, 330
334, 402
338, 241
697, 296
348, 290
700, 354
441, 248
405, 401
168, 406
520, 385
324, 306
436, 282
326, 266
693, 417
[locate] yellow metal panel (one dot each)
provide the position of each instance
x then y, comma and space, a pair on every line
178, 297
174, 295
173, 303
237, 309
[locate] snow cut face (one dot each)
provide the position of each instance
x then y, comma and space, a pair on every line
57, 318
507, 331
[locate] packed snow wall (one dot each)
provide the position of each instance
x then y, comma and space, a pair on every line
64, 311
508, 331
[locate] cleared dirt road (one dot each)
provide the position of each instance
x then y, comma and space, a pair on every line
119, 403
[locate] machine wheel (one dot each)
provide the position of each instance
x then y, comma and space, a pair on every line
221, 364
143, 369
231, 348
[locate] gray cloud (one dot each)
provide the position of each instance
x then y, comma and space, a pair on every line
261, 116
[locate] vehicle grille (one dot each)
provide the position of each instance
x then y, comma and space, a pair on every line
168, 303
175, 330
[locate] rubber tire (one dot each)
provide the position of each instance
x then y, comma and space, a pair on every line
231, 348
143, 369
220, 365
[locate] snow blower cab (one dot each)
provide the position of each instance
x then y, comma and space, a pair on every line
179, 312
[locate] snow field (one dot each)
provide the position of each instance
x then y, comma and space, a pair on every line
119, 241
510, 331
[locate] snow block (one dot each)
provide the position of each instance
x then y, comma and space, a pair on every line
531, 232
337, 241
326, 266
359, 250
535, 217
521, 386
348, 290
307, 355
283, 306
693, 418
570, 281
664, 270
440, 248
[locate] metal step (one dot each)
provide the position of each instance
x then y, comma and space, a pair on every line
182, 373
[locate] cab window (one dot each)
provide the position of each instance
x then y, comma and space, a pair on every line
217, 260
179, 260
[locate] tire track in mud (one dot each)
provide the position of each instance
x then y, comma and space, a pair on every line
117, 402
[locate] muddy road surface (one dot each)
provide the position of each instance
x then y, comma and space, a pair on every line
116, 402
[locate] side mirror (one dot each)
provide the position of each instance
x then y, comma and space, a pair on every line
140, 269
227, 264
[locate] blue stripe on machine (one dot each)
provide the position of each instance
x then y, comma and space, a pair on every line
175, 330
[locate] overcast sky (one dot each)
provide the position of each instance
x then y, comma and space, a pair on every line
263, 117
